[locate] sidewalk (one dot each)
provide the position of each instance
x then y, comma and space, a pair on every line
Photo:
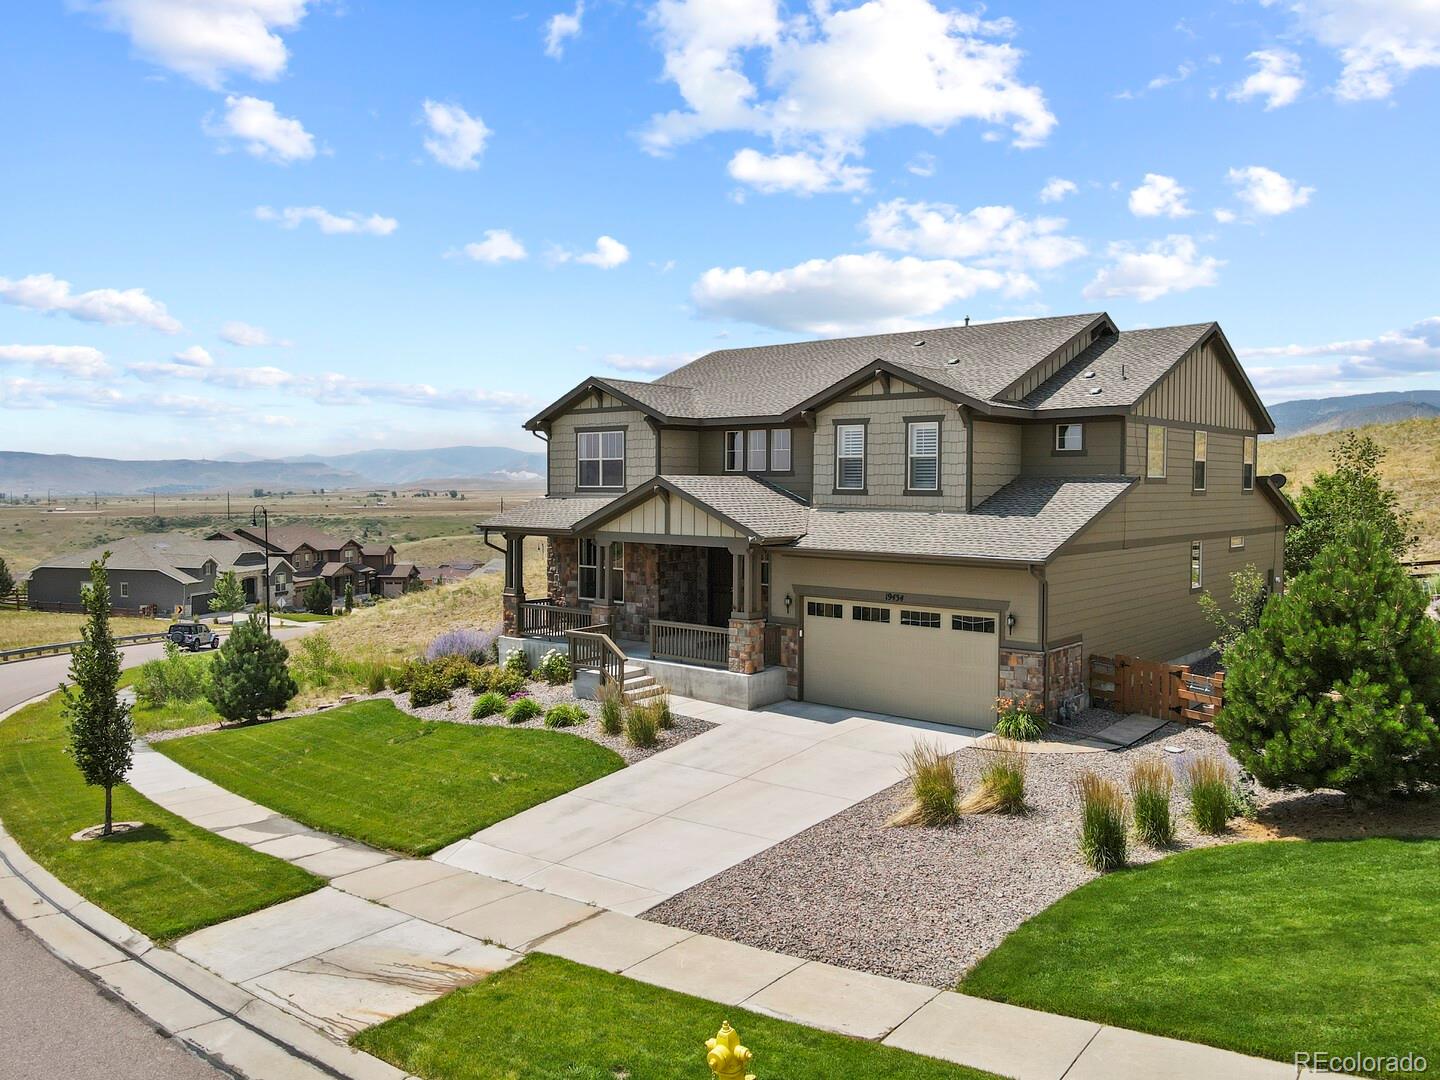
383, 939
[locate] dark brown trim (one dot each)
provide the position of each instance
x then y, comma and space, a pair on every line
837, 422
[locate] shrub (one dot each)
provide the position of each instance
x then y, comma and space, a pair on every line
316, 661
481, 679
1212, 793
517, 662
932, 786
474, 645
1001, 785
1102, 822
401, 677
1247, 600
507, 682
522, 709
554, 667
1339, 685
488, 704
642, 725
456, 671
172, 678
428, 686
318, 599
565, 715
612, 708
1014, 721
1150, 786
373, 676
250, 674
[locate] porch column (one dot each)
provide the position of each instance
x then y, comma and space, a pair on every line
514, 596
746, 653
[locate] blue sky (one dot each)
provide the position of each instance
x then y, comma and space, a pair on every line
279, 226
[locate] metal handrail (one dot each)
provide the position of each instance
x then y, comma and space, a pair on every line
691, 643
591, 649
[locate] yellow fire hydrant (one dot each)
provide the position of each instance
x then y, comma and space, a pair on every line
727, 1059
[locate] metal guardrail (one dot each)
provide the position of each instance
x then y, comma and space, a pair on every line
8, 655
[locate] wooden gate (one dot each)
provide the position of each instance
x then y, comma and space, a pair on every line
1130, 684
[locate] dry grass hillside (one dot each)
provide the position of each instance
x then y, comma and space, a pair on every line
1411, 467
401, 628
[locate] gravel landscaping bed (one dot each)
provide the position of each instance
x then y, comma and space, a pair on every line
916, 903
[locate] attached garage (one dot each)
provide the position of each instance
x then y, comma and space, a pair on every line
930, 663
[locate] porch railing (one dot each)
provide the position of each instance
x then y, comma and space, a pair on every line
541, 618
592, 650
690, 643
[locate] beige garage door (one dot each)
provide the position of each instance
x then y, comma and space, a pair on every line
937, 664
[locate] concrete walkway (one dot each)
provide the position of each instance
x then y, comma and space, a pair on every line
638, 836
385, 938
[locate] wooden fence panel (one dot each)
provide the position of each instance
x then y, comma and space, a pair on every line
1131, 684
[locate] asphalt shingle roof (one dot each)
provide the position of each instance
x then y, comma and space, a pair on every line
755, 507
1126, 365
1025, 521
550, 514
172, 554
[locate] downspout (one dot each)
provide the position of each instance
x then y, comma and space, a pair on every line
543, 436
1037, 571
967, 418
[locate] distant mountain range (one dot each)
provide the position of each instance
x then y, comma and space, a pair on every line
493, 466
1318, 415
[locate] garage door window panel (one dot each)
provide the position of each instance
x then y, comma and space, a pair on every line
822, 610
974, 624
927, 620
870, 614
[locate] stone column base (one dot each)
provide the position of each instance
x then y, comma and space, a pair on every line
510, 611
747, 645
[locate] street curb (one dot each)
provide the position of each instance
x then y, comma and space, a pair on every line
91, 942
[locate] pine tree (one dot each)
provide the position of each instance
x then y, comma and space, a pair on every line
319, 600
349, 597
1339, 685
7, 580
251, 674
229, 595
1332, 501
99, 723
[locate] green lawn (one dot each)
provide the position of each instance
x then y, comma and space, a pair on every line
547, 1019
301, 616
1268, 949
376, 774
164, 880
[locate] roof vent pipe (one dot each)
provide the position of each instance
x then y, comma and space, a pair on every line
967, 320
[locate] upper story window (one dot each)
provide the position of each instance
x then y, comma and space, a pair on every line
600, 459
1202, 447
780, 450
1247, 464
350, 555
755, 456
849, 457
1196, 564
1155, 452
734, 451
1069, 436
923, 466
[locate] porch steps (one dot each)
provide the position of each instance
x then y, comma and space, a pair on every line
639, 684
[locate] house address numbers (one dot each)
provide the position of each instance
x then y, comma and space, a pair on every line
895, 597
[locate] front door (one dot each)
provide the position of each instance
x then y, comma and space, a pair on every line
722, 583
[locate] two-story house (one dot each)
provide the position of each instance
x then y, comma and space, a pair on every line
907, 523
336, 560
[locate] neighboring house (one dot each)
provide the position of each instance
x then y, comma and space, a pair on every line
906, 523
166, 572
337, 560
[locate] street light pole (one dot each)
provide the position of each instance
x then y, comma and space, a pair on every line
264, 514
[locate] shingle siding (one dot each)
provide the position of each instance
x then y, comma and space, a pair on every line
639, 444
885, 453
997, 457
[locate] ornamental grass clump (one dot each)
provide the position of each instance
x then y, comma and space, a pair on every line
488, 704
523, 709
1102, 822
612, 708
933, 786
1212, 793
1014, 721
565, 715
1000, 788
642, 725
1151, 783
663, 715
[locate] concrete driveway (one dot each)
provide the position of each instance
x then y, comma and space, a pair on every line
638, 836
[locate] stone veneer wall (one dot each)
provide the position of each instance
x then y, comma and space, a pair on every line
1022, 676
790, 659
1027, 675
747, 645
684, 579
1065, 675
562, 570
642, 591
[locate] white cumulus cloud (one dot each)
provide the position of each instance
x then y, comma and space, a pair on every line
1379, 42
800, 173
499, 246
1277, 78
1159, 196
264, 133
338, 224
113, 307
1057, 188
195, 356
1171, 265
997, 236
247, 336
846, 294
1405, 353
1266, 192
80, 361
456, 138
206, 40
561, 27
608, 254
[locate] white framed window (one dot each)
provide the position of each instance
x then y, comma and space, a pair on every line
755, 456
1237, 543
1202, 448
1069, 437
600, 459
850, 457
124, 589
929, 620
923, 464
1247, 463
1155, 452
734, 451
1197, 568
780, 449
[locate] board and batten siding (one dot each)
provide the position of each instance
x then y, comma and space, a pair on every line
639, 442
997, 457
802, 458
1199, 390
1103, 454
649, 518
998, 585
886, 449
1041, 372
